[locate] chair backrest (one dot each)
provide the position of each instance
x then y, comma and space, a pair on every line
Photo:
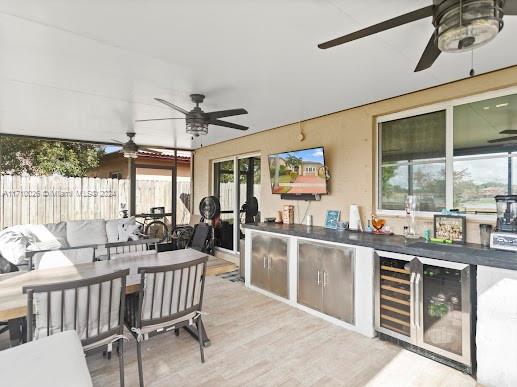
170, 292
130, 248
93, 307
201, 237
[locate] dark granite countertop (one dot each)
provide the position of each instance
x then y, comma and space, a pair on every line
465, 253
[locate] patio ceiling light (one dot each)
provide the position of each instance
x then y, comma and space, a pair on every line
195, 127
469, 25
130, 149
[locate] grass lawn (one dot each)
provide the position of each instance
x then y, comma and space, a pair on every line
284, 179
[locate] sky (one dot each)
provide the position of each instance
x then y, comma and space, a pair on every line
315, 154
112, 148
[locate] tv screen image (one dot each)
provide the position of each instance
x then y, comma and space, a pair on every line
298, 172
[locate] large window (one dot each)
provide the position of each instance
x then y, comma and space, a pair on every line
484, 152
456, 155
413, 161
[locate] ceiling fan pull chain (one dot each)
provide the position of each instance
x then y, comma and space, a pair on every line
472, 71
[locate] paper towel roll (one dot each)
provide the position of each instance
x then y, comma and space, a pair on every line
355, 218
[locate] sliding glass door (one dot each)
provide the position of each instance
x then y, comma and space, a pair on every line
233, 193
224, 189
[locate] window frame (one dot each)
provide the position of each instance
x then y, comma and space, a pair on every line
448, 106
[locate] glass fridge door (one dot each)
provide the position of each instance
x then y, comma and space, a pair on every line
394, 301
445, 310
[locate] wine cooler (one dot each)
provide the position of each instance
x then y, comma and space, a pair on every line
426, 303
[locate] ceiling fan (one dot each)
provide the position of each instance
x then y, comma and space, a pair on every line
460, 25
505, 139
197, 120
129, 148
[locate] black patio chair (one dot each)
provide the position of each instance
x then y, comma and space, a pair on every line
170, 298
93, 307
202, 238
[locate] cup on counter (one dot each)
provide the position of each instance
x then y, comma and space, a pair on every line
484, 234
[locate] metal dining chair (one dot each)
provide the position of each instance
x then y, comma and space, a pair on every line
130, 248
170, 298
93, 307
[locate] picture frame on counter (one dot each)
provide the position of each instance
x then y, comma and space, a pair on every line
450, 227
332, 219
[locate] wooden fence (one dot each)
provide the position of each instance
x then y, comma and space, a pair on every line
50, 199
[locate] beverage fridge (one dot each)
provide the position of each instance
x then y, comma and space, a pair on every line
427, 304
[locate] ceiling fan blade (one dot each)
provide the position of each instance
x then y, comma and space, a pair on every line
171, 105
508, 131
383, 26
117, 141
504, 139
429, 56
228, 124
510, 7
161, 119
226, 113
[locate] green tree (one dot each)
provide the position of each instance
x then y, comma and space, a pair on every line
293, 162
45, 157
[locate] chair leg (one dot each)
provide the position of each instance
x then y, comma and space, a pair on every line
177, 332
120, 350
139, 356
200, 338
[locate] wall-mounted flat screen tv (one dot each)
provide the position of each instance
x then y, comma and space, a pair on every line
298, 172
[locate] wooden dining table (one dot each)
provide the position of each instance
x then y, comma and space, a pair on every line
13, 303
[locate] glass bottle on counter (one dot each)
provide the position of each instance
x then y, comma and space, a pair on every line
411, 207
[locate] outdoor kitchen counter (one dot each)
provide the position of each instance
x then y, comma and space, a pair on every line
472, 254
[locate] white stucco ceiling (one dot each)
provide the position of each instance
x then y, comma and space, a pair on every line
84, 69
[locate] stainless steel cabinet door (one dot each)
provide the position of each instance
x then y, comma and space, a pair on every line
259, 260
278, 267
338, 283
310, 275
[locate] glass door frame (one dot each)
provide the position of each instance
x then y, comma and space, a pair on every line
416, 266
412, 263
466, 308
236, 209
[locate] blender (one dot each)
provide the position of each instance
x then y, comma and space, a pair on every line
505, 235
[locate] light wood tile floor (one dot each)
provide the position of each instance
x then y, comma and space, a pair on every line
257, 341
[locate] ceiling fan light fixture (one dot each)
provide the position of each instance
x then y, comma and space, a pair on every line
197, 127
130, 154
469, 25
130, 149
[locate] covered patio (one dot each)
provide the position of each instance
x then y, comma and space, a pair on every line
258, 193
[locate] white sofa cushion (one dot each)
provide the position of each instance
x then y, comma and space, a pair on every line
121, 230
58, 231
12, 245
50, 362
86, 232
52, 234
60, 258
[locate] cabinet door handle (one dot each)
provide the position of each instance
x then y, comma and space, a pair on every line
270, 259
318, 278
325, 279
264, 260
417, 301
412, 285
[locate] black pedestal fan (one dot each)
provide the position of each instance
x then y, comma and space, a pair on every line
203, 238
